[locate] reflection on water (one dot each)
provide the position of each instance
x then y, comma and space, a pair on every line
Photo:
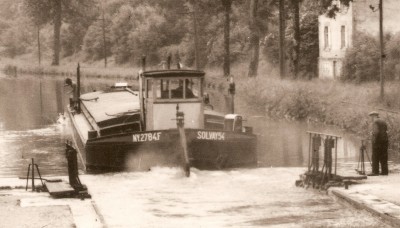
28, 128
29, 110
283, 143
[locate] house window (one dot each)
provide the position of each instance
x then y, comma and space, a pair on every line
343, 36
326, 37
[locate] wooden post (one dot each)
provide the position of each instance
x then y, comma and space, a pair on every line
27, 177
141, 93
41, 98
169, 62
309, 153
143, 63
78, 87
232, 90
178, 60
38, 40
336, 139
183, 141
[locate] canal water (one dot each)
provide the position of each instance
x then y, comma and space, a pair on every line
30, 127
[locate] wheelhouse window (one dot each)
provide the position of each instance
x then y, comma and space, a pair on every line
182, 88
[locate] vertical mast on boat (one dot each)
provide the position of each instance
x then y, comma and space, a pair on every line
141, 95
78, 85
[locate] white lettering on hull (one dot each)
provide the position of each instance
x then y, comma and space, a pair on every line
207, 135
146, 137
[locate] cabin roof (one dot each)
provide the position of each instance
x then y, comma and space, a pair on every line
173, 73
103, 106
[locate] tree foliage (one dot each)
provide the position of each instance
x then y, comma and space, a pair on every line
362, 60
42, 12
392, 68
15, 33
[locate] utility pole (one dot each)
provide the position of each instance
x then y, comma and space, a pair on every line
382, 76
282, 70
104, 38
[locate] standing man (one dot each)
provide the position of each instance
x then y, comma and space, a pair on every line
380, 143
74, 99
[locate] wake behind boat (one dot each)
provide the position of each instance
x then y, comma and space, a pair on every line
167, 122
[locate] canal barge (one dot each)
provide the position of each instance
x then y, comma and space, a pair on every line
166, 122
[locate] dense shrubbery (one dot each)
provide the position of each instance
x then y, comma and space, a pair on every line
362, 60
393, 57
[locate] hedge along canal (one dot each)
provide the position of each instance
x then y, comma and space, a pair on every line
15, 69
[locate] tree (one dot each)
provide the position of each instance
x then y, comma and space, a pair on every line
254, 39
296, 36
136, 31
57, 8
282, 57
227, 4
392, 68
54, 11
361, 62
93, 43
309, 45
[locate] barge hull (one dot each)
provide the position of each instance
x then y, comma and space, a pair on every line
208, 150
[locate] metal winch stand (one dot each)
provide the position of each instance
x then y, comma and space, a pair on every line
32, 167
320, 178
326, 177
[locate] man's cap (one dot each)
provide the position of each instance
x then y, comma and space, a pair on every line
67, 82
373, 113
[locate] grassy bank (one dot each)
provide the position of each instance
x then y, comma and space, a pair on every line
329, 102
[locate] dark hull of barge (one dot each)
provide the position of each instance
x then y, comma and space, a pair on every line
135, 152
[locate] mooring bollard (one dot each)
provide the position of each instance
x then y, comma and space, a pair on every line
72, 159
80, 190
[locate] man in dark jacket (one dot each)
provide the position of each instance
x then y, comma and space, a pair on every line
380, 143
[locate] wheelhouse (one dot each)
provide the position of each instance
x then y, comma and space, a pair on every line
161, 93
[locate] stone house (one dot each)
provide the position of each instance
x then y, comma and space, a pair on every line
336, 34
